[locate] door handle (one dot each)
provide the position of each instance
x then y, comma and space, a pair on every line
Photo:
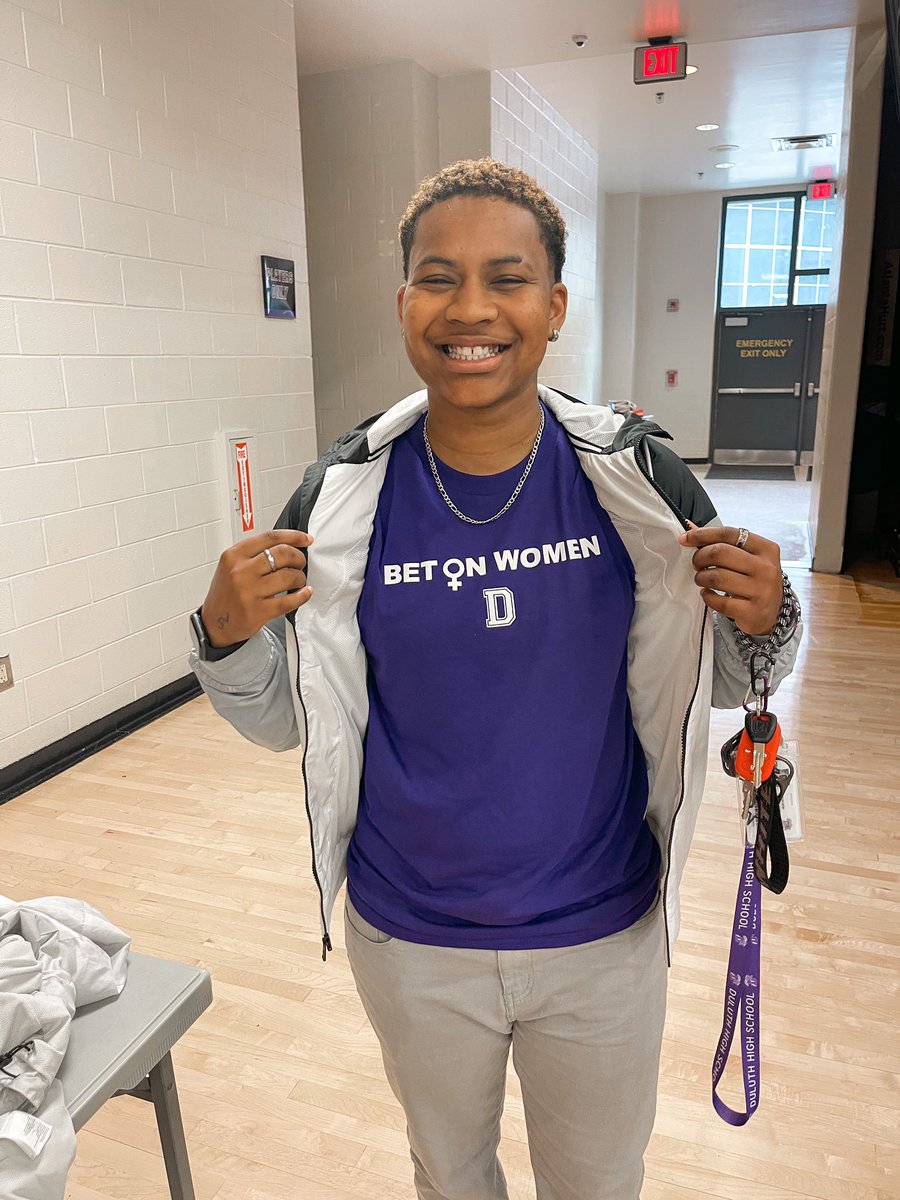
794, 391
797, 389
811, 390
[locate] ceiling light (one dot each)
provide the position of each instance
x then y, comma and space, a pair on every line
691, 70
723, 147
705, 128
724, 166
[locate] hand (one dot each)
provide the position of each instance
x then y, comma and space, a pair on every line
749, 577
245, 592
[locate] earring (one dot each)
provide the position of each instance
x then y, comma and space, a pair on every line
402, 332
554, 336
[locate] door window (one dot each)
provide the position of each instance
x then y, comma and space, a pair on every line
776, 251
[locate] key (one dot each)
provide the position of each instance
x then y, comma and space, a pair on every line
765, 736
749, 791
749, 810
759, 760
754, 759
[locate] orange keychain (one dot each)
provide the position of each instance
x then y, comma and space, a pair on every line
754, 760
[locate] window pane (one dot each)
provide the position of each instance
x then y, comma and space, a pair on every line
736, 224
810, 259
757, 251
828, 224
816, 234
759, 267
733, 264
762, 225
811, 289
810, 226
785, 223
781, 267
762, 295
732, 295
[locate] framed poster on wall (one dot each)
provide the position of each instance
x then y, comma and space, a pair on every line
278, 287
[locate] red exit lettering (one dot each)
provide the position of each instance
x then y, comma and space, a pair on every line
664, 61
821, 191
660, 60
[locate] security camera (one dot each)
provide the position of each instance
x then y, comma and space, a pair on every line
579, 39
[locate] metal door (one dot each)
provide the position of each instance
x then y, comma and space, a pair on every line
767, 385
810, 394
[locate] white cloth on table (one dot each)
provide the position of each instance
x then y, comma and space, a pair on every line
56, 954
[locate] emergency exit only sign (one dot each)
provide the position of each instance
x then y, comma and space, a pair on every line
661, 62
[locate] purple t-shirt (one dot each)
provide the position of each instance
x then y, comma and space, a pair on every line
504, 790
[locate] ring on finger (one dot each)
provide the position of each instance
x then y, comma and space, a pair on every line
743, 534
270, 558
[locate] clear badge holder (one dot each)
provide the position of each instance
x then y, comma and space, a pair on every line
791, 803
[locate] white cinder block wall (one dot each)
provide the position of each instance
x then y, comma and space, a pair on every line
527, 132
149, 153
369, 137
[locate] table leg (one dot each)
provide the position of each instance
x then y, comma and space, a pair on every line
171, 1130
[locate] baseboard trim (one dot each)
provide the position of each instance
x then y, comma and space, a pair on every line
28, 772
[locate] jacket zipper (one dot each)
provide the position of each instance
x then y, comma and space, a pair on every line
645, 471
684, 725
326, 937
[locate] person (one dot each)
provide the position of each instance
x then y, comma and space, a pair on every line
495, 618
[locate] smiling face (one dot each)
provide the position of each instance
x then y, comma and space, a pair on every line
480, 303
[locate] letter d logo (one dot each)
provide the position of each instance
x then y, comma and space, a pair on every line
501, 607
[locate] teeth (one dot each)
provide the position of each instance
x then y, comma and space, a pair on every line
472, 353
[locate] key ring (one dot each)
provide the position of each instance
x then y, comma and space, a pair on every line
760, 665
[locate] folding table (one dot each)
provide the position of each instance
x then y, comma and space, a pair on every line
123, 1046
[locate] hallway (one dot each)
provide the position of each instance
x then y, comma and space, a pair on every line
199, 274
777, 510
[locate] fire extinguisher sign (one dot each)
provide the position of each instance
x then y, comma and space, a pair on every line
244, 492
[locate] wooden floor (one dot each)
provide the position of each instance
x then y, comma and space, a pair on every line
196, 843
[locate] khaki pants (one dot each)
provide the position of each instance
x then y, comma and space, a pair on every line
585, 1025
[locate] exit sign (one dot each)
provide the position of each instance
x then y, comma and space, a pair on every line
659, 64
823, 190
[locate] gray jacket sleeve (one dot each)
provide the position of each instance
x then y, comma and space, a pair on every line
731, 675
251, 689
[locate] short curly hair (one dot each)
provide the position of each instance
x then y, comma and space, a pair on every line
486, 177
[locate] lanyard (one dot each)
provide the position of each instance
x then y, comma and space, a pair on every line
742, 996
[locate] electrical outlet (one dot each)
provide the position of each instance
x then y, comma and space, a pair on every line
6, 675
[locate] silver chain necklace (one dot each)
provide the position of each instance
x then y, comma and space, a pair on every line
513, 498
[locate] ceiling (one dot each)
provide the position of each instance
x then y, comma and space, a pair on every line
765, 68
754, 90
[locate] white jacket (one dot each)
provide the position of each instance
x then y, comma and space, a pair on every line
302, 681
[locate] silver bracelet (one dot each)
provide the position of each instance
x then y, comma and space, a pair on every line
785, 627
